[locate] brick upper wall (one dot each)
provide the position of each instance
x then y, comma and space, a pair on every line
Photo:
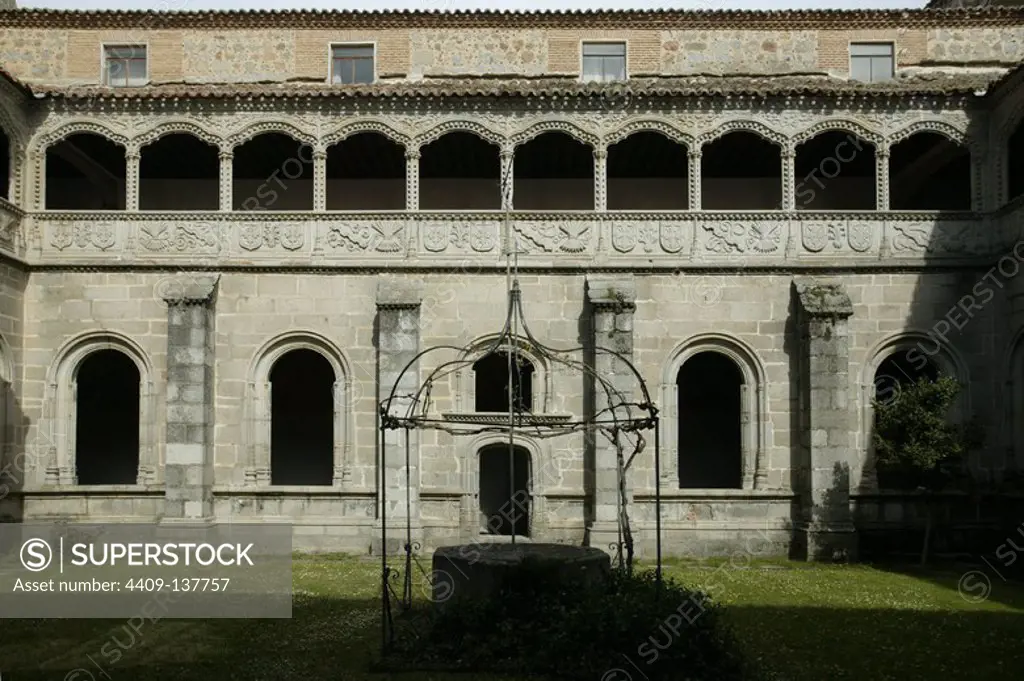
62, 57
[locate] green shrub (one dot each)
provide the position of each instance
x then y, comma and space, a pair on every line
541, 625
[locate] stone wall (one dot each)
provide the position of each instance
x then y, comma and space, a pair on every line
55, 56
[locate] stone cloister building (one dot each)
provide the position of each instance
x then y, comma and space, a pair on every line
224, 233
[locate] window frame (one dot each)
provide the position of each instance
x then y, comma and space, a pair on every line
892, 56
105, 58
372, 44
625, 60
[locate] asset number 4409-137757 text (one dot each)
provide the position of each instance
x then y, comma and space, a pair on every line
179, 584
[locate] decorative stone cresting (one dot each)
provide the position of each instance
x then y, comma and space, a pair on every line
475, 571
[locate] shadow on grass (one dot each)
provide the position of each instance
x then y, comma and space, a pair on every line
811, 644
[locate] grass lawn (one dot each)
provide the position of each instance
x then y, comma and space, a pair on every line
800, 622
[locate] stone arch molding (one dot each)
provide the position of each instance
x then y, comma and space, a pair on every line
57, 440
567, 127
360, 126
465, 377
470, 466
175, 128
251, 130
946, 359
744, 125
472, 127
753, 415
840, 125
944, 128
664, 127
257, 412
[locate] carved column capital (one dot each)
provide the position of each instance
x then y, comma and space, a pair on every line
183, 289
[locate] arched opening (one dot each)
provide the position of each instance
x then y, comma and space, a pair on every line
710, 440
505, 490
85, 171
273, 172
928, 171
460, 171
1015, 163
496, 390
899, 370
366, 171
741, 171
5, 165
302, 419
554, 171
648, 171
179, 172
107, 419
835, 170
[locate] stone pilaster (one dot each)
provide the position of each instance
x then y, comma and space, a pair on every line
319, 180
826, 529
131, 180
190, 412
788, 180
398, 343
601, 180
227, 164
508, 174
882, 178
613, 303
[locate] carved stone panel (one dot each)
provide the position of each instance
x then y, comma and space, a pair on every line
943, 238
569, 236
651, 237
84, 236
274, 238
754, 237
840, 236
461, 237
368, 236
179, 237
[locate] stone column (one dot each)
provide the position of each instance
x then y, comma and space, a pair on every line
412, 179
788, 180
694, 177
131, 180
508, 183
613, 302
827, 437
882, 177
319, 180
190, 413
227, 157
600, 180
398, 342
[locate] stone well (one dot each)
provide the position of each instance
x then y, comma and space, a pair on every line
478, 570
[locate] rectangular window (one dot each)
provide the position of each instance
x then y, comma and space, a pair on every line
872, 62
351, 64
124, 65
604, 62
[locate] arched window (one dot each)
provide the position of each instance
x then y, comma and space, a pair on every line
85, 171
504, 490
302, 419
710, 422
496, 389
928, 171
107, 419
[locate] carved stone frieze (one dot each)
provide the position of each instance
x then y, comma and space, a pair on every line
739, 236
469, 236
9, 225
937, 237
829, 236
368, 236
571, 236
180, 236
654, 237
86, 234
287, 236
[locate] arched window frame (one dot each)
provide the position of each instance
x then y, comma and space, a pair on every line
946, 360
465, 378
753, 410
470, 466
58, 439
258, 412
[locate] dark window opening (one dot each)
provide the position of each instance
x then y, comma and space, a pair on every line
5, 165
179, 172
107, 419
366, 172
460, 171
710, 423
505, 491
554, 171
273, 172
302, 419
493, 388
648, 171
835, 170
897, 372
741, 171
927, 171
85, 172
1015, 163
